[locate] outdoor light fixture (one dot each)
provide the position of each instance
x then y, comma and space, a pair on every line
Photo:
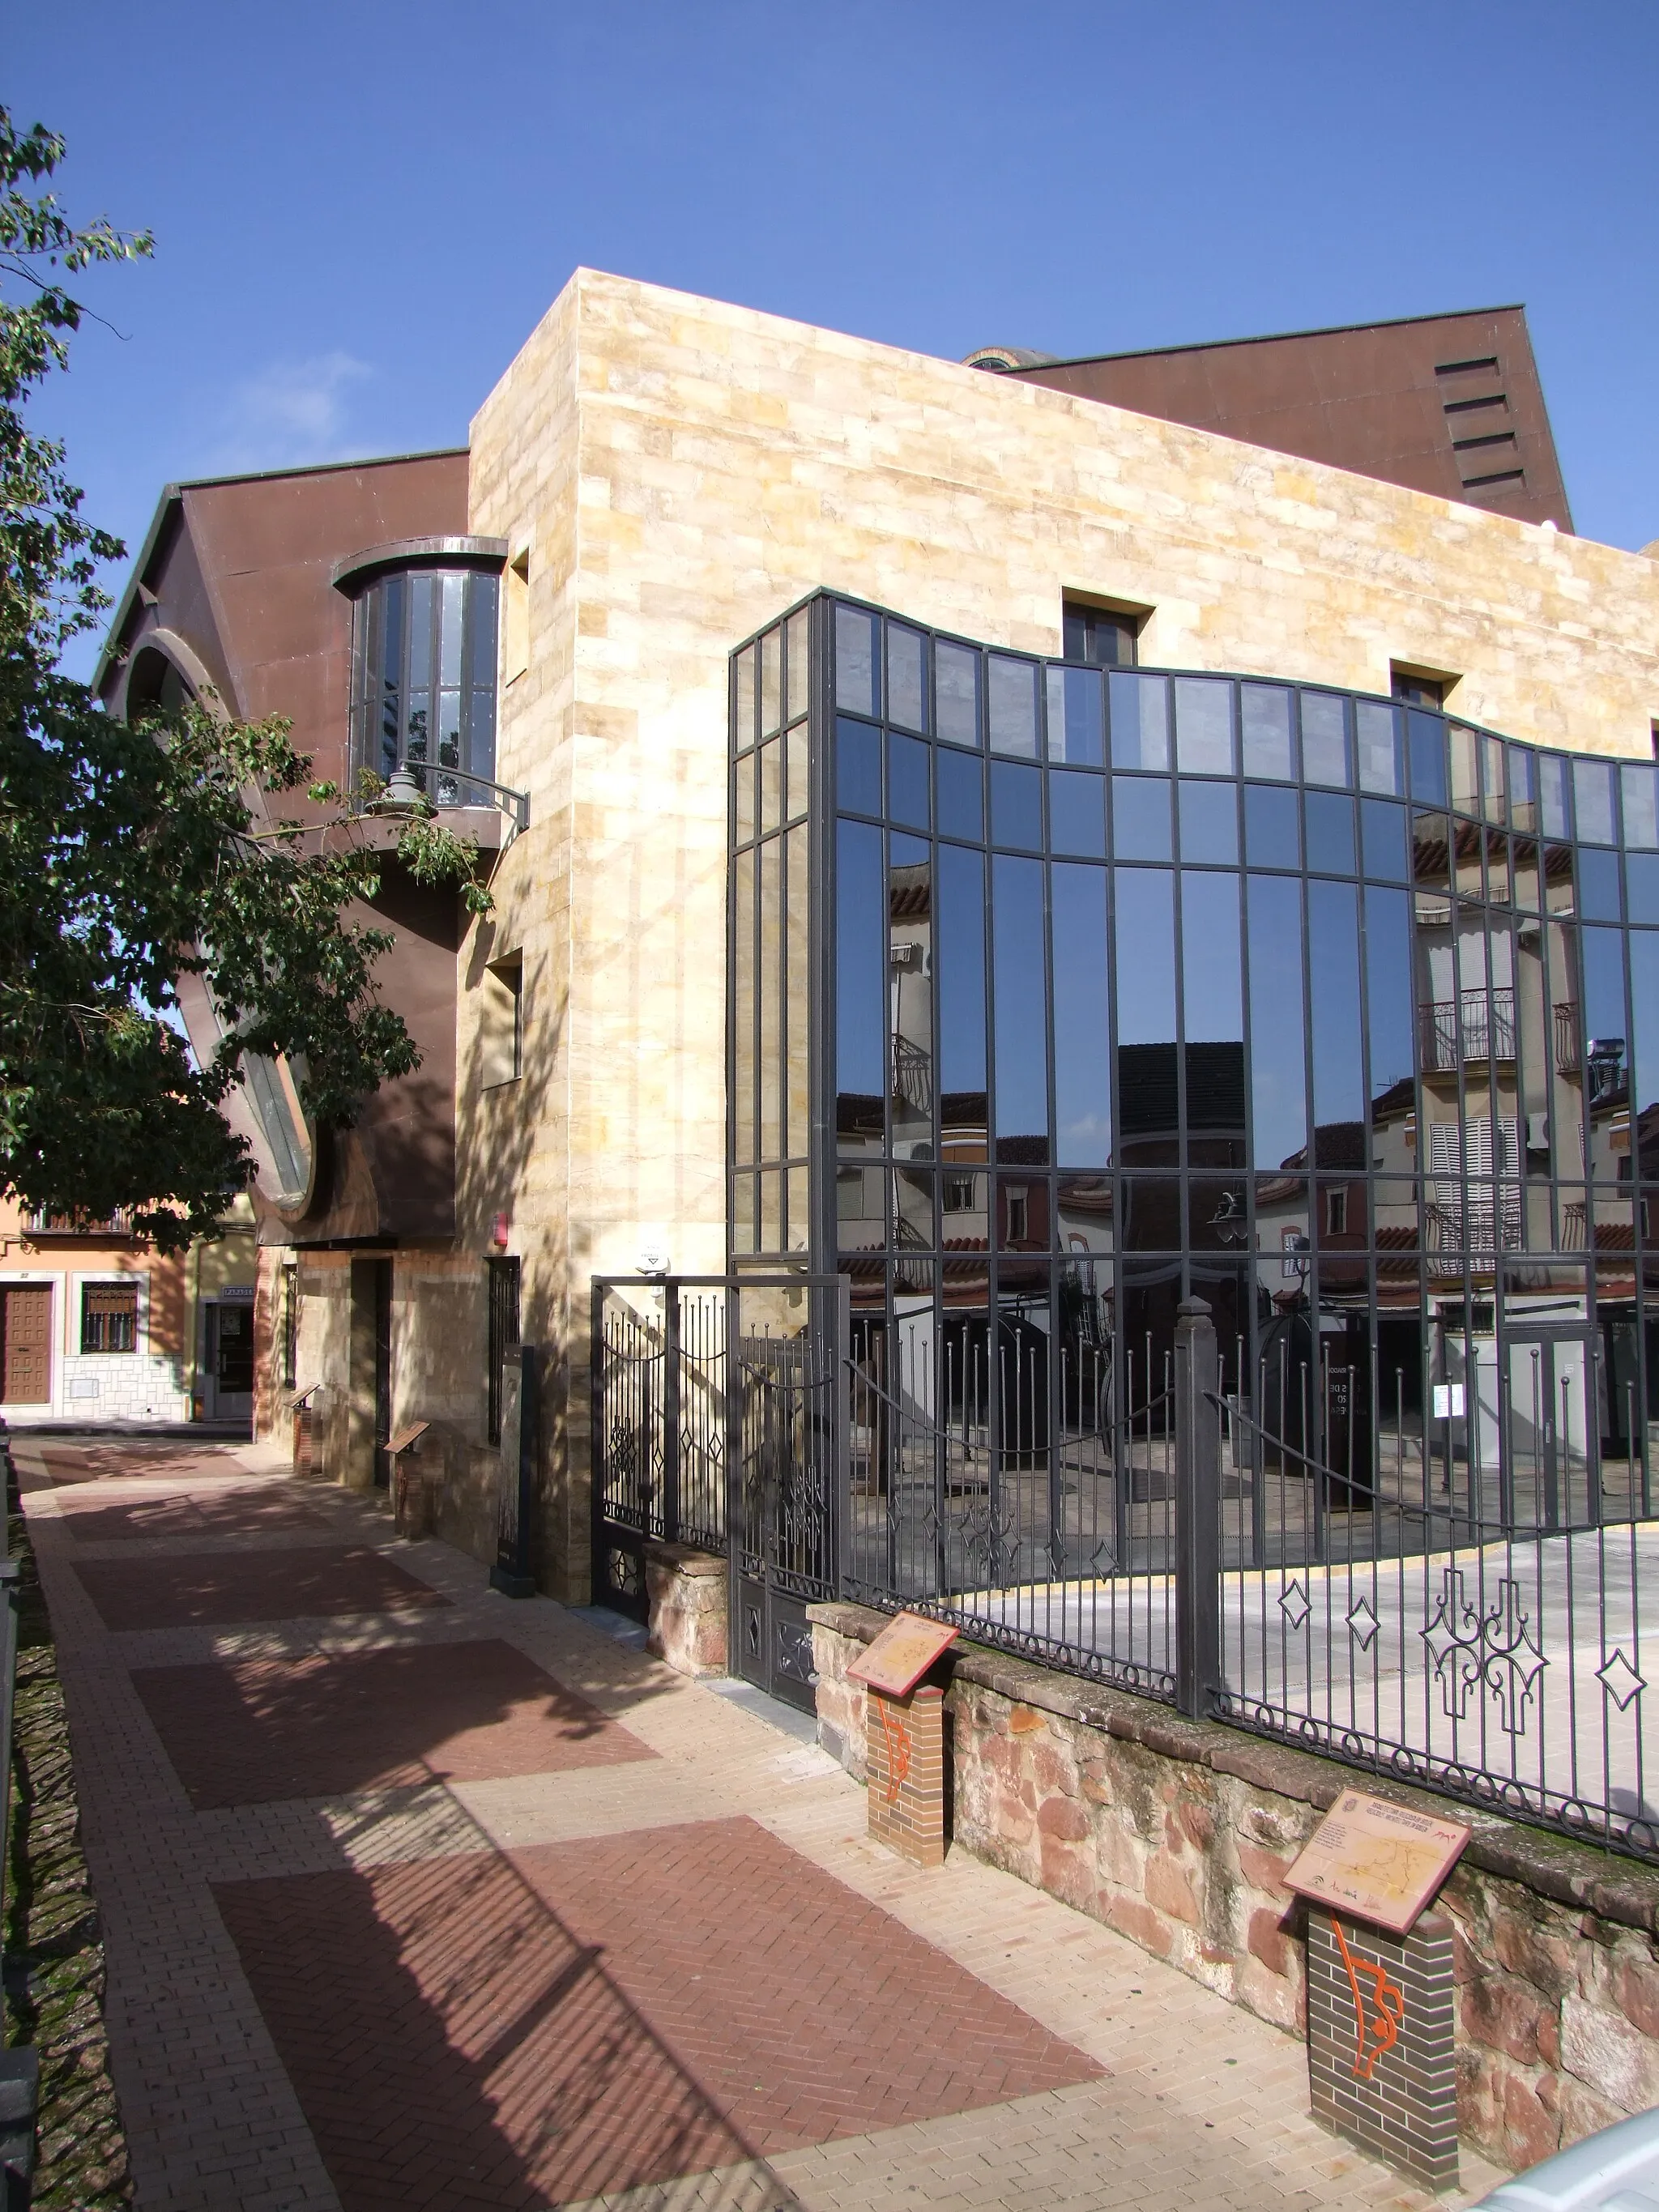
401, 795
1228, 1220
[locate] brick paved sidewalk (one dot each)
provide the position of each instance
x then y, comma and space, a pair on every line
414, 1897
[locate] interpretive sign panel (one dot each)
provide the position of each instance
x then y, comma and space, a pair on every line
901, 1654
1380, 1861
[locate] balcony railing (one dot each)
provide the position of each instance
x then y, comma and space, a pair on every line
1566, 1039
37, 1223
913, 1076
1476, 1025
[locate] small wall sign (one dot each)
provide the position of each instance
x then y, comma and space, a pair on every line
1380, 1861
901, 1654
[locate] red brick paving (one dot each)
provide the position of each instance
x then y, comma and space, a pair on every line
251, 1513
549, 2024
222, 1588
260, 1730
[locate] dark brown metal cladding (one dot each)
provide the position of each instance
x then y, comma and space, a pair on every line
1450, 404
236, 589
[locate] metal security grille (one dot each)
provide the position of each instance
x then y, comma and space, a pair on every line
109, 1318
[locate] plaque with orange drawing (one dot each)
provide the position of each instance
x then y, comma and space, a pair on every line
1380, 1862
901, 1654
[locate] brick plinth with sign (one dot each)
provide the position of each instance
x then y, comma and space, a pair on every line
905, 1753
1380, 2058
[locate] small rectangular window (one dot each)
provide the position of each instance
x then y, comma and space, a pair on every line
515, 626
503, 1335
1418, 690
1104, 638
1336, 1211
109, 1317
501, 1022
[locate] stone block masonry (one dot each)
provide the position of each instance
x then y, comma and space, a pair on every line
1380, 2037
1178, 1834
907, 1777
686, 1600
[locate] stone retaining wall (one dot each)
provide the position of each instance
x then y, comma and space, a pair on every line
686, 1592
1178, 1834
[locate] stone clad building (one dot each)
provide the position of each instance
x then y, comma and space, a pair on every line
549, 629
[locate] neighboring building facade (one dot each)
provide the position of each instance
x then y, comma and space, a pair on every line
657, 480
95, 1326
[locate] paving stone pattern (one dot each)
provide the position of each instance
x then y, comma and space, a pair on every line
417, 1897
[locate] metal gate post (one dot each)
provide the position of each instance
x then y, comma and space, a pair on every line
671, 1411
1197, 1503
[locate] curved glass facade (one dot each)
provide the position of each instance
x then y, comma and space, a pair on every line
1061, 994
423, 678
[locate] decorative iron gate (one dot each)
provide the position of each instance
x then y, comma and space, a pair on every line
719, 1423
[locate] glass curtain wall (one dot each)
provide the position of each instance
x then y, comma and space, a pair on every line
1139, 985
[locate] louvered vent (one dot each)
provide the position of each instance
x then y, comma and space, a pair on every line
1482, 425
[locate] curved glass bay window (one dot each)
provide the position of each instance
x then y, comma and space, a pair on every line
424, 661
1061, 993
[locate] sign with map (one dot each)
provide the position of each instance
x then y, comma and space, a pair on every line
901, 1654
1380, 1862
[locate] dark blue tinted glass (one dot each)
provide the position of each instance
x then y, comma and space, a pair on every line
1270, 827
857, 767
1140, 818
961, 974
1145, 899
1645, 1000
1016, 805
1213, 1011
961, 795
1388, 992
1209, 822
857, 668
1077, 813
1606, 1037
1642, 886
1427, 741
907, 782
1382, 830
1333, 966
1277, 1103
860, 961
1598, 884
1330, 833
1083, 1094
1021, 999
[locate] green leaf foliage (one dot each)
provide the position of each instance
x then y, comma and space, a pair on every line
134, 858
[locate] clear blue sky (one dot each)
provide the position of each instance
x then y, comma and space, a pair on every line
361, 208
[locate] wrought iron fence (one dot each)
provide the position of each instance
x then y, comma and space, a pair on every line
1453, 1597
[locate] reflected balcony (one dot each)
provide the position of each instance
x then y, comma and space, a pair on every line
1478, 1025
38, 1223
913, 1076
1566, 1039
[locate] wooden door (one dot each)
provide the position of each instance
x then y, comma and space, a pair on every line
26, 1346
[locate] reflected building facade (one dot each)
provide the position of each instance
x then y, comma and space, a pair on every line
1061, 993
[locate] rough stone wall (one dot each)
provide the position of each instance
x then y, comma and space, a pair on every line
680, 471
1178, 1834
686, 1599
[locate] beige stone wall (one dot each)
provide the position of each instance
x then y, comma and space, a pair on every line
680, 471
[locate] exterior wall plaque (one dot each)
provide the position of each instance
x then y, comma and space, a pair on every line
1380, 1861
901, 1654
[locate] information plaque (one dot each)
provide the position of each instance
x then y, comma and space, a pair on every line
1380, 1862
901, 1654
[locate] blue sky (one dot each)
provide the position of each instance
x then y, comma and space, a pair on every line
361, 208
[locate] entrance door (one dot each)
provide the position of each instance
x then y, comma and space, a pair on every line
26, 1346
230, 1361
1551, 1479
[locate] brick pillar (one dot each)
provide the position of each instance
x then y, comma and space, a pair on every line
1380, 2040
904, 1751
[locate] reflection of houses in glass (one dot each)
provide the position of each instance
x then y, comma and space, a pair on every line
1313, 1004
